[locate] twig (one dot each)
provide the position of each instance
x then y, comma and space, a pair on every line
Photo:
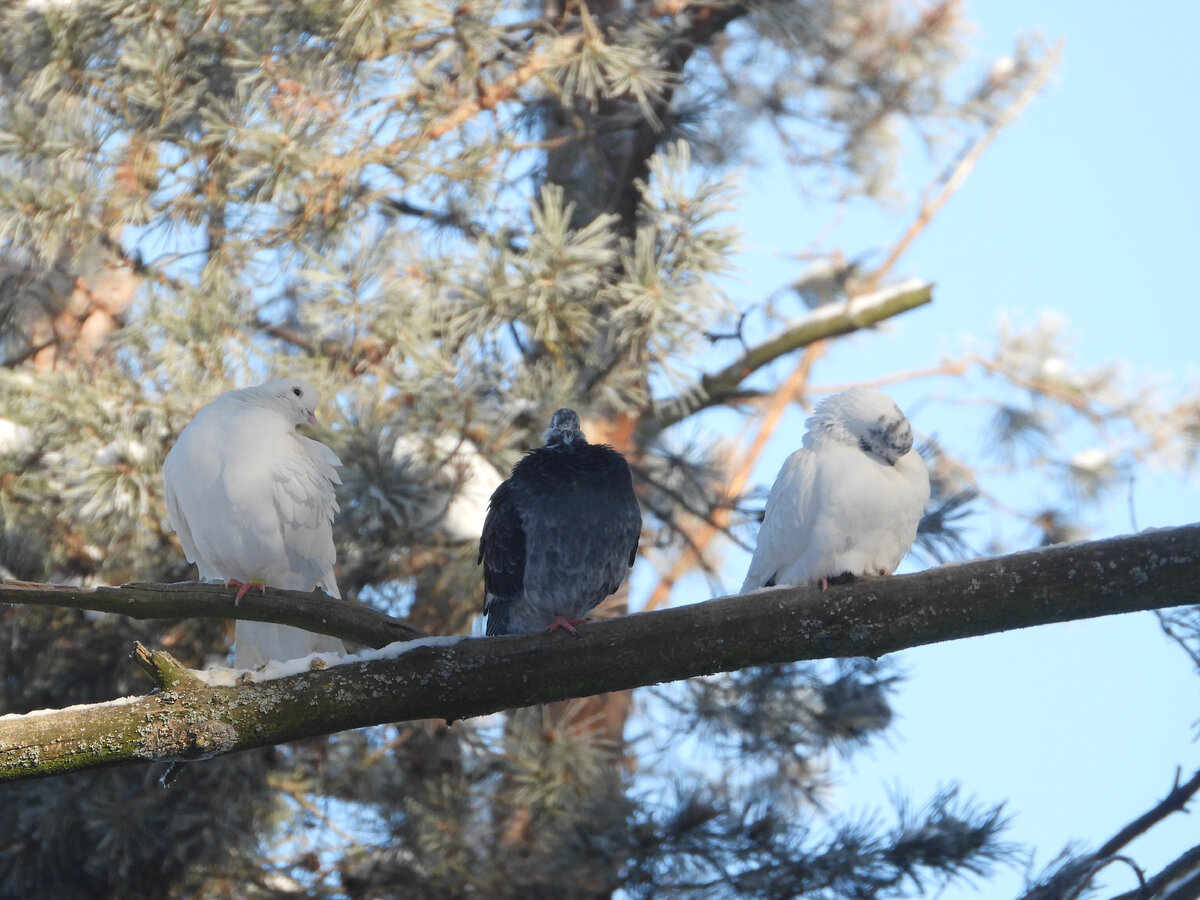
1181, 876
297, 791
489, 95
164, 670
1175, 801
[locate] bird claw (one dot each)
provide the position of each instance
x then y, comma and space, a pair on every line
565, 625
843, 578
244, 588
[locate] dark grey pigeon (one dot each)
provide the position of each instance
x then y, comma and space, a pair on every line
560, 534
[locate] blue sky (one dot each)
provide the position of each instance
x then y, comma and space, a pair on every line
1089, 206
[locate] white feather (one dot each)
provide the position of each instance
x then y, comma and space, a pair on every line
837, 507
254, 501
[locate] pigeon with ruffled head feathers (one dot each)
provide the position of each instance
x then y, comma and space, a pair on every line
848, 502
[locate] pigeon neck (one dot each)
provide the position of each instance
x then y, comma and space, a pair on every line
271, 405
562, 439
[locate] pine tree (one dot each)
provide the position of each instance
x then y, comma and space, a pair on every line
453, 219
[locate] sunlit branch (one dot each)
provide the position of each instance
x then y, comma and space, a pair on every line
831, 320
188, 718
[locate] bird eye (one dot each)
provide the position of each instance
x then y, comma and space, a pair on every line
299, 392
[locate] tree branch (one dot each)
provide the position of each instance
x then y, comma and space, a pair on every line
488, 96
1179, 880
1175, 801
956, 175
831, 320
453, 678
314, 612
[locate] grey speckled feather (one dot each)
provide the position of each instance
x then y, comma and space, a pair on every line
560, 534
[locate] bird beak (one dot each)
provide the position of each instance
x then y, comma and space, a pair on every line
312, 417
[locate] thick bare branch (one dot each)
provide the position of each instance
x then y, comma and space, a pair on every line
315, 612
824, 322
452, 679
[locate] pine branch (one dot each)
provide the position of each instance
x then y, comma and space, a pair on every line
488, 96
832, 320
451, 678
705, 24
314, 612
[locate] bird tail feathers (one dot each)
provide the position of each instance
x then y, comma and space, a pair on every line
756, 579
257, 643
496, 611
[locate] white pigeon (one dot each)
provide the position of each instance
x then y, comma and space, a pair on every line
253, 504
848, 501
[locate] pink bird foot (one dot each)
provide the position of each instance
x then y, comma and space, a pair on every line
844, 578
565, 624
244, 588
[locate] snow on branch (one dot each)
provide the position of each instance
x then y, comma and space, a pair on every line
190, 717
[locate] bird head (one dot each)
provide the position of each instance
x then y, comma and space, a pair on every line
864, 417
297, 398
564, 429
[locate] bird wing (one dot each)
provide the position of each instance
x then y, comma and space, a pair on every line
502, 552
616, 544
193, 472
298, 500
787, 520
174, 476
303, 480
